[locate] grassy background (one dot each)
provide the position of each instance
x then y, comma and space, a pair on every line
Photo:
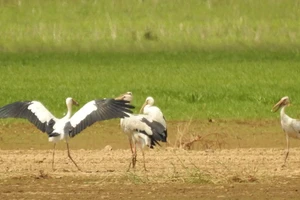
147, 25
196, 85
198, 59
220, 59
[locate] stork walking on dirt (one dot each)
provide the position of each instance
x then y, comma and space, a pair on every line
290, 126
142, 131
66, 127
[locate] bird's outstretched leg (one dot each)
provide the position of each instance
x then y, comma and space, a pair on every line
130, 143
133, 159
287, 150
134, 156
144, 159
69, 155
53, 153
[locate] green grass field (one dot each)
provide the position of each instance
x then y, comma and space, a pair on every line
198, 59
147, 25
197, 85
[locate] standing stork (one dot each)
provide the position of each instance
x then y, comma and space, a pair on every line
66, 127
142, 131
153, 112
290, 126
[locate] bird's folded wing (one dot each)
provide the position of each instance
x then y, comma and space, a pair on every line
159, 132
296, 125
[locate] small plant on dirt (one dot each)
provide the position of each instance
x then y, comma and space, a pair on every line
42, 175
240, 179
181, 137
218, 141
197, 176
136, 179
185, 138
175, 175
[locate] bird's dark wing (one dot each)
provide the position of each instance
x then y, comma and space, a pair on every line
145, 125
97, 110
34, 111
159, 132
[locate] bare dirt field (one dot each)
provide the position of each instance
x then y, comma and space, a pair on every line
229, 171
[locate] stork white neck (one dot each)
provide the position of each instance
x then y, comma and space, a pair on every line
69, 103
69, 113
283, 116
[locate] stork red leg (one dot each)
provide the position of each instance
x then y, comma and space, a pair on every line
53, 156
287, 149
69, 155
144, 160
134, 156
130, 144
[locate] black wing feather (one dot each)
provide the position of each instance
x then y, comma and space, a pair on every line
20, 110
159, 133
106, 109
158, 130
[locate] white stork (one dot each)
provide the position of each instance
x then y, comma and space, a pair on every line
66, 127
142, 131
290, 126
154, 112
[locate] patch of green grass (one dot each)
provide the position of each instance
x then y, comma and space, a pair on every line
185, 85
197, 176
134, 178
151, 25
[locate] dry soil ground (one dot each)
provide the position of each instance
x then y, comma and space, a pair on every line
237, 170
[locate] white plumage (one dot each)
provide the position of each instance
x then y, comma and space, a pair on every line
154, 112
66, 127
290, 126
141, 130
42, 113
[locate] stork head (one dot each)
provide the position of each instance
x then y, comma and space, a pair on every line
127, 97
149, 101
284, 101
70, 101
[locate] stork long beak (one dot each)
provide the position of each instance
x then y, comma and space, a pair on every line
75, 102
121, 97
143, 106
277, 106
